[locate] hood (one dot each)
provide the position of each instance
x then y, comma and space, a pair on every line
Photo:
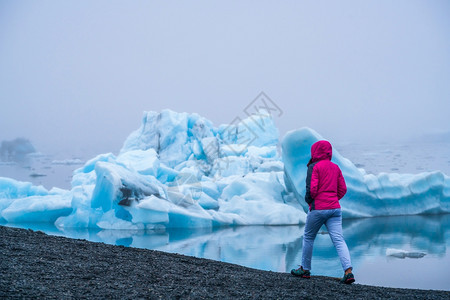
321, 150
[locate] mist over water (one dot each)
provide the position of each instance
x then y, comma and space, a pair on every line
75, 76
413, 157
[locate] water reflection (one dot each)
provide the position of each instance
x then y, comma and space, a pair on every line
278, 248
426, 233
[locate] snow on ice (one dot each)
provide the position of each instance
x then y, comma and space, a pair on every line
178, 170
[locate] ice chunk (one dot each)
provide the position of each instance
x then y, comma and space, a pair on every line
82, 215
75, 161
270, 166
264, 152
21, 202
169, 134
403, 253
257, 198
172, 215
109, 221
211, 149
257, 130
116, 183
12, 189
145, 162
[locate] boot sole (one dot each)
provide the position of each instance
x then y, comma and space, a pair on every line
301, 276
349, 281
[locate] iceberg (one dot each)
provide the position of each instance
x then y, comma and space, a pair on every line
179, 171
368, 195
16, 150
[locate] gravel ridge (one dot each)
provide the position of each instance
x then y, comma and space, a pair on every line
34, 265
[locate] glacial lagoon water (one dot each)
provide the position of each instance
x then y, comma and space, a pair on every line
403, 251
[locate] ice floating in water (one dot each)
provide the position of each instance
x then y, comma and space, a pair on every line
21, 202
68, 162
37, 175
178, 170
403, 253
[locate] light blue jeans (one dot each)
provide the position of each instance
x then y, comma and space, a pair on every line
332, 218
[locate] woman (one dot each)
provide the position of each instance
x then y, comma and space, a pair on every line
325, 186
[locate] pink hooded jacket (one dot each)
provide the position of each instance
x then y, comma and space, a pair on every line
325, 185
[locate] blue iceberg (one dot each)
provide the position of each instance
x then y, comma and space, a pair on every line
179, 171
368, 195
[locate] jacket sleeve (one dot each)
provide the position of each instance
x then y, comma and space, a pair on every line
341, 187
314, 189
308, 197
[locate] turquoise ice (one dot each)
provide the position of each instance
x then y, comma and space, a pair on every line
178, 170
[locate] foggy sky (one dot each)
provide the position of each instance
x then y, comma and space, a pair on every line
76, 76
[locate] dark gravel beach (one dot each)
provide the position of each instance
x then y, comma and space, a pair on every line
36, 265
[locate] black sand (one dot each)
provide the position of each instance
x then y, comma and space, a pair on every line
39, 266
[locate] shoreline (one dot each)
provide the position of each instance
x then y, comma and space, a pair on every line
36, 265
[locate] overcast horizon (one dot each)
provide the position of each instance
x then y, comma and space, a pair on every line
76, 76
